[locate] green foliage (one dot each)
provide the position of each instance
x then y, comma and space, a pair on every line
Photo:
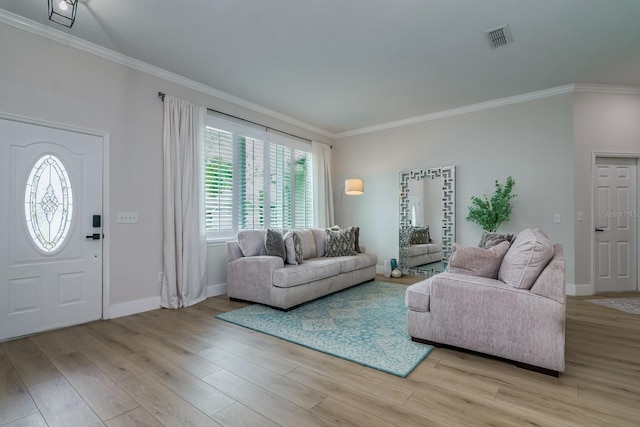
490, 213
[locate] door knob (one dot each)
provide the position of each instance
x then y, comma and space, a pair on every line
94, 236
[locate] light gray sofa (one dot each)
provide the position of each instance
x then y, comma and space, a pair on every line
417, 247
269, 280
424, 253
514, 321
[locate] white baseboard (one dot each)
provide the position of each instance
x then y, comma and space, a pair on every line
134, 307
147, 304
215, 290
579, 290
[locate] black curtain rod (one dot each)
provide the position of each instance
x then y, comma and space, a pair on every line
161, 95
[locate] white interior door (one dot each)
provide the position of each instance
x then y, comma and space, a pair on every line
616, 218
50, 270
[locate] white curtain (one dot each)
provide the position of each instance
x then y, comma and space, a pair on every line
322, 194
185, 244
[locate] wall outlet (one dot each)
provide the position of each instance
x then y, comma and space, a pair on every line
127, 217
556, 218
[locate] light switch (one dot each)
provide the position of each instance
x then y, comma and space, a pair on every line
127, 217
580, 216
556, 218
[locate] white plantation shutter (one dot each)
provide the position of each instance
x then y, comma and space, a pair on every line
250, 183
303, 190
218, 180
255, 180
280, 187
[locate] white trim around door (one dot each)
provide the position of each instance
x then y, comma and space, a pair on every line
594, 157
106, 283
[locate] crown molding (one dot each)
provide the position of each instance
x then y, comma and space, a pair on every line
39, 29
80, 44
613, 89
461, 110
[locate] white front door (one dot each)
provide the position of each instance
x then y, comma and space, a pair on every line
615, 218
51, 188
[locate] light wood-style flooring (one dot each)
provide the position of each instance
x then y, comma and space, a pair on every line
186, 368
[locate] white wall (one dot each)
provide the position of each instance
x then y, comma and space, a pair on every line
603, 123
46, 80
531, 141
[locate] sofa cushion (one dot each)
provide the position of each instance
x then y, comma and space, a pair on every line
356, 262
426, 248
417, 296
340, 242
479, 262
251, 242
274, 243
529, 254
293, 247
310, 271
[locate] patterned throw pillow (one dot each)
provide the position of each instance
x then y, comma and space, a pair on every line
356, 243
420, 235
293, 247
489, 240
274, 242
340, 243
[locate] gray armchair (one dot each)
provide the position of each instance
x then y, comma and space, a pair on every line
521, 321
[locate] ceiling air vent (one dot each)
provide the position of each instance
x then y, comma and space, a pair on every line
499, 36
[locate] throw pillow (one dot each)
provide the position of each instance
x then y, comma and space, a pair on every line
251, 242
356, 239
318, 236
478, 262
489, 240
309, 249
340, 242
420, 236
293, 247
274, 242
529, 254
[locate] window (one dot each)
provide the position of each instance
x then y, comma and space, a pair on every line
48, 203
255, 180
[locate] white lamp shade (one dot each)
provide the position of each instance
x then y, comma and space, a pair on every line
353, 187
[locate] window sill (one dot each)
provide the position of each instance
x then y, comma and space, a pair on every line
218, 242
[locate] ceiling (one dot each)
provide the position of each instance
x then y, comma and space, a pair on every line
343, 65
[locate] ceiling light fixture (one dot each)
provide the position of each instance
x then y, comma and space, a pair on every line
63, 12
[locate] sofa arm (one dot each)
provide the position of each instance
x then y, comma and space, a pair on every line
233, 251
250, 278
551, 282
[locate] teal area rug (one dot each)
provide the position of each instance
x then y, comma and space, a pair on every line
366, 324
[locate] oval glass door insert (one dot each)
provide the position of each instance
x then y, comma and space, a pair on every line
48, 203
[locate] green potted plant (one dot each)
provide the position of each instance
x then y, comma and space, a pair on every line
490, 213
